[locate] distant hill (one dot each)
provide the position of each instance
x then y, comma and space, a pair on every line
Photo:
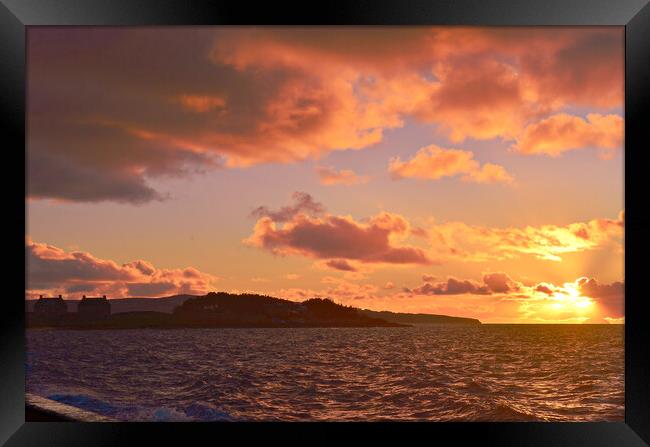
419, 319
211, 311
251, 310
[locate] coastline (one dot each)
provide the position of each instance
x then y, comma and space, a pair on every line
218, 310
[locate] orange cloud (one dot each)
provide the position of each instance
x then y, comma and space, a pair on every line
330, 176
484, 82
457, 240
614, 320
289, 94
51, 270
202, 103
433, 162
339, 290
477, 97
562, 132
345, 291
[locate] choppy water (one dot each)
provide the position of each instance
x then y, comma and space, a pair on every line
490, 372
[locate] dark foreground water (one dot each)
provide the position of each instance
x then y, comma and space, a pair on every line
488, 373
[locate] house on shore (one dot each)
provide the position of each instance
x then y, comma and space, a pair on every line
50, 308
94, 308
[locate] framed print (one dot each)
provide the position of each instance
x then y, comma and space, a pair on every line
385, 220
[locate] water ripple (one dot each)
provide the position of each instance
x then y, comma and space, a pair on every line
485, 373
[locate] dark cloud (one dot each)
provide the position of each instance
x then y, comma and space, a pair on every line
592, 288
611, 296
341, 264
577, 71
83, 287
499, 282
106, 112
544, 288
303, 203
52, 176
450, 287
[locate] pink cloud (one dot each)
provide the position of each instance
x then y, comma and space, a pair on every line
51, 270
338, 239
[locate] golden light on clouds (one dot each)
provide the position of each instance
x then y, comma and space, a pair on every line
434, 163
468, 171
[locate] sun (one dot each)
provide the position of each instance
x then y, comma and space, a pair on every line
570, 299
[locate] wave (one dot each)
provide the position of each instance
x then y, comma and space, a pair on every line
509, 413
86, 402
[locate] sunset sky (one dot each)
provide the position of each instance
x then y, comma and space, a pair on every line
474, 172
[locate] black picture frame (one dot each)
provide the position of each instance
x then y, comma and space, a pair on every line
16, 15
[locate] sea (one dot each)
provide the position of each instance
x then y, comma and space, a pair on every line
425, 373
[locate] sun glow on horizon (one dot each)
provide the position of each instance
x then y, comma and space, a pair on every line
569, 305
